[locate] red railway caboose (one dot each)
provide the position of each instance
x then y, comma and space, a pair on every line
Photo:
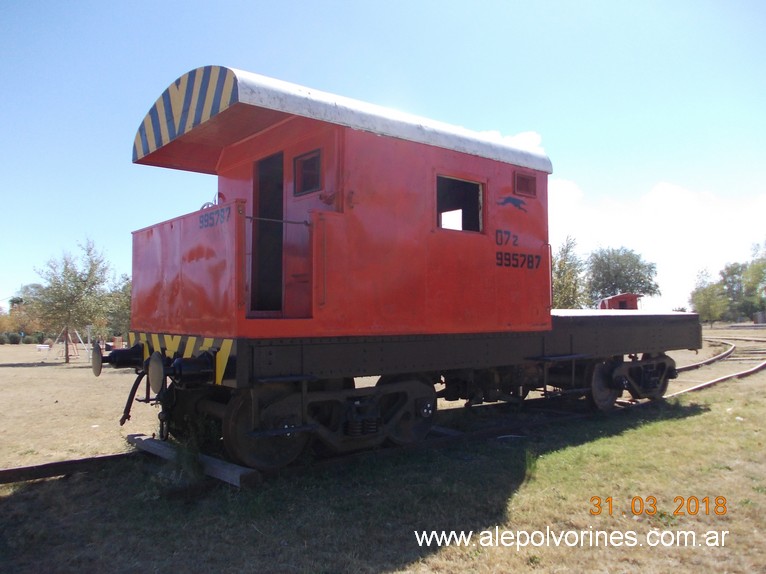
325, 228
348, 240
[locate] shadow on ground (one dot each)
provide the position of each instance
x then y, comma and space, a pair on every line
42, 364
356, 518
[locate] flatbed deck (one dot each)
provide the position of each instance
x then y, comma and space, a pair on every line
587, 334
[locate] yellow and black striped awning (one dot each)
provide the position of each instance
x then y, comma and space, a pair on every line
191, 100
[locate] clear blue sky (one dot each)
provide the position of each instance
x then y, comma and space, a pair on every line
653, 113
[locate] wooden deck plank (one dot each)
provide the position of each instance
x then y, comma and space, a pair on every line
230, 473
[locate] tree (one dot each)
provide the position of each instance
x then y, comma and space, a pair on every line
119, 306
754, 283
614, 271
742, 288
73, 292
22, 312
5, 322
732, 282
709, 299
115, 317
567, 277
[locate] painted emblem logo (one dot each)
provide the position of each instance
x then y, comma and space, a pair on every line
514, 201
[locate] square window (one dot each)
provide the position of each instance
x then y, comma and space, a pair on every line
458, 204
308, 173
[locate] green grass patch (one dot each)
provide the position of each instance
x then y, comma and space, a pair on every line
146, 516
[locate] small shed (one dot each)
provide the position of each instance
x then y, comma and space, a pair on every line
621, 301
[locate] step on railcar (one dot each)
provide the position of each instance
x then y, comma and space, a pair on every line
350, 240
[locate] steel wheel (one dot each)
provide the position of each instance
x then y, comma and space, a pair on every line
517, 381
408, 415
329, 413
662, 387
262, 452
659, 393
602, 393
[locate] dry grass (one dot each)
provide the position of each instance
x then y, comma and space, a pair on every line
51, 411
132, 518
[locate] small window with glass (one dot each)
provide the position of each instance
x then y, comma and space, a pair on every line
308, 173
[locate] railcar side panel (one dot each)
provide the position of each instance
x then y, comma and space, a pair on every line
365, 250
186, 275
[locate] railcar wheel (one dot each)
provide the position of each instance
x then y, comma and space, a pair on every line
408, 415
662, 386
517, 381
602, 394
264, 452
659, 393
186, 423
330, 413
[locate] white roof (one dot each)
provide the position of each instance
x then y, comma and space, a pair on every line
275, 94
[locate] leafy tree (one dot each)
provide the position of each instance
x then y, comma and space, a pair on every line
22, 313
709, 299
614, 271
119, 306
754, 283
567, 277
5, 321
732, 282
115, 319
741, 285
73, 293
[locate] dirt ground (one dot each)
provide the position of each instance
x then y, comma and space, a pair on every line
51, 411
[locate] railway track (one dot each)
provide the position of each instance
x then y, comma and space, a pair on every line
60, 468
738, 357
747, 353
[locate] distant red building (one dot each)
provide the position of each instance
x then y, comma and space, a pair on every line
621, 301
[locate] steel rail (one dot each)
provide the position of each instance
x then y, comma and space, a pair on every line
60, 468
706, 384
711, 360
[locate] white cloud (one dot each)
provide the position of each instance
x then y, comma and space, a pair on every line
681, 230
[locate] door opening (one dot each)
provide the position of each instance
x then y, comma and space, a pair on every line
268, 242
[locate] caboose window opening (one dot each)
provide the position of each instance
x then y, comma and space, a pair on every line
266, 292
308, 173
525, 185
458, 204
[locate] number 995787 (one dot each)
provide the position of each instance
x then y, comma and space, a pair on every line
213, 217
517, 260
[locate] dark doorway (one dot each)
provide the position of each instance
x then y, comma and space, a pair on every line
268, 245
